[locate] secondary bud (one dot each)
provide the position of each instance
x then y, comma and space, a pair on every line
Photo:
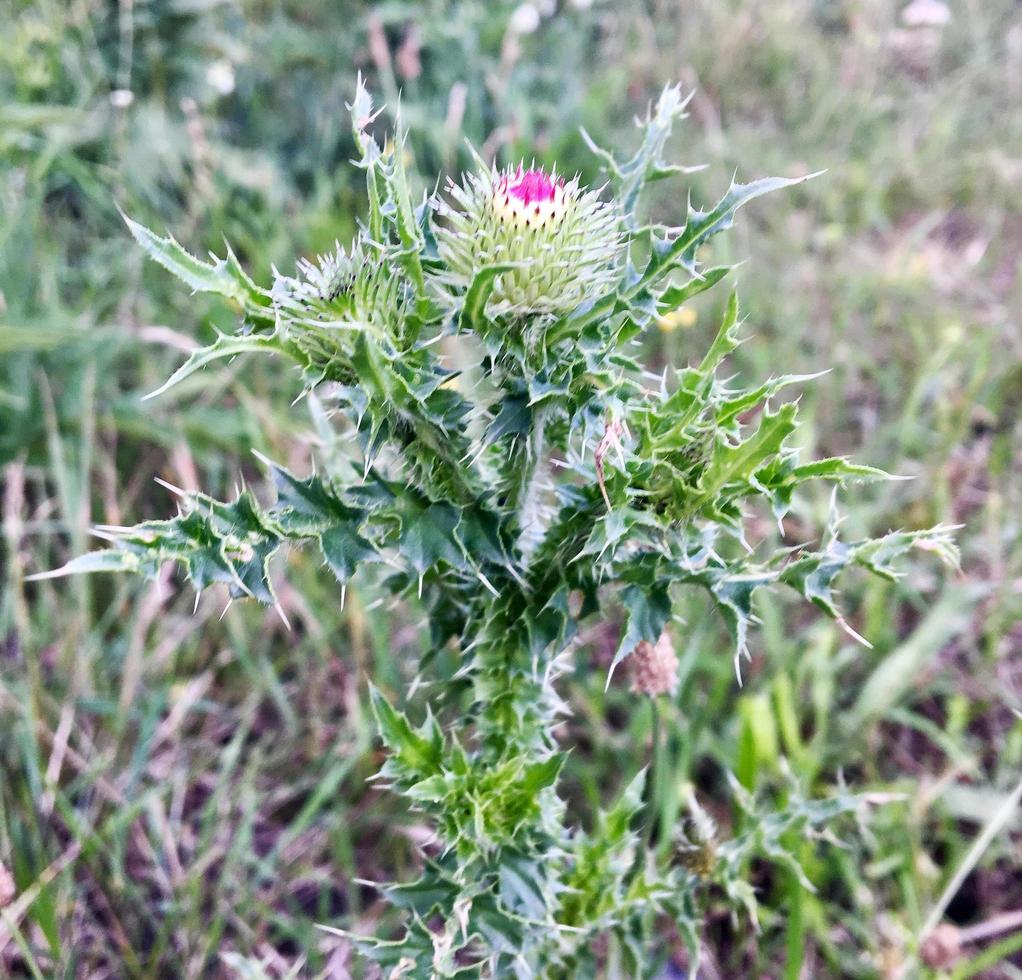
562, 238
653, 667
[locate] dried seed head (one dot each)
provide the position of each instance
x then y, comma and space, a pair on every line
654, 667
563, 239
941, 948
7, 887
700, 859
697, 841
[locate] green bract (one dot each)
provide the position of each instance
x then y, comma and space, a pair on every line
452, 488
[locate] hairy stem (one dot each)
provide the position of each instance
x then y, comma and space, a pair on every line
529, 484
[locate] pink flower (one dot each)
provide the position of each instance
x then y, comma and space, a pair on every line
531, 187
529, 198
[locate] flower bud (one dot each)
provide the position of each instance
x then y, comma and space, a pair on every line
562, 237
653, 667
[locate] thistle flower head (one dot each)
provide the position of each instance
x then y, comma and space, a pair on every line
563, 239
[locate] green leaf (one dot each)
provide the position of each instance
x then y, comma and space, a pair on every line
423, 895
502, 932
473, 308
837, 468
428, 536
674, 296
541, 775
703, 225
615, 823
647, 611
94, 561
226, 345
344, 548
726, 341
222, 276
417, 753
738, 461
648, 162
521, 880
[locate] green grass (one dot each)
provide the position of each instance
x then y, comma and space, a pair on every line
177, 786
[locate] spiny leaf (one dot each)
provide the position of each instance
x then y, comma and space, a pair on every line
226, 345
669, 254
222, 276
703, 225
648, 163
427, 536
736, 461
418, 754
675, 296
726, 340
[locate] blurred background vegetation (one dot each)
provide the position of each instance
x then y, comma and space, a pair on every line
184, 794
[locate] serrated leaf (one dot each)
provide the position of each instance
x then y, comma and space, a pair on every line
737, 461
521, 881
675, 296
726, 340
226, 345
423, 895
502, 931
703, 225
344, 548
837, 468
615, 823
415, 752
222, 276
541, 775
428, 536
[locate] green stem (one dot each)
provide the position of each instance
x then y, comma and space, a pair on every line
655, 774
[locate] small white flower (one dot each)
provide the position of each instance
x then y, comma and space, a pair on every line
524, 20
220, 75
121, 98
926, 13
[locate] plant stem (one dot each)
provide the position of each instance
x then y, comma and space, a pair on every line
530, 483
655, 774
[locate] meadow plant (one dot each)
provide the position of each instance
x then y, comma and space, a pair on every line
554, 483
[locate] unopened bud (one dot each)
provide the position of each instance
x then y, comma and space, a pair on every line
654, 667
560, 239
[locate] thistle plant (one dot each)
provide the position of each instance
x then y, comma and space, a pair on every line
553, 483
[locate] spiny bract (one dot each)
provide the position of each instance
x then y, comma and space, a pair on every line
563, 240
348, 286
332, 300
